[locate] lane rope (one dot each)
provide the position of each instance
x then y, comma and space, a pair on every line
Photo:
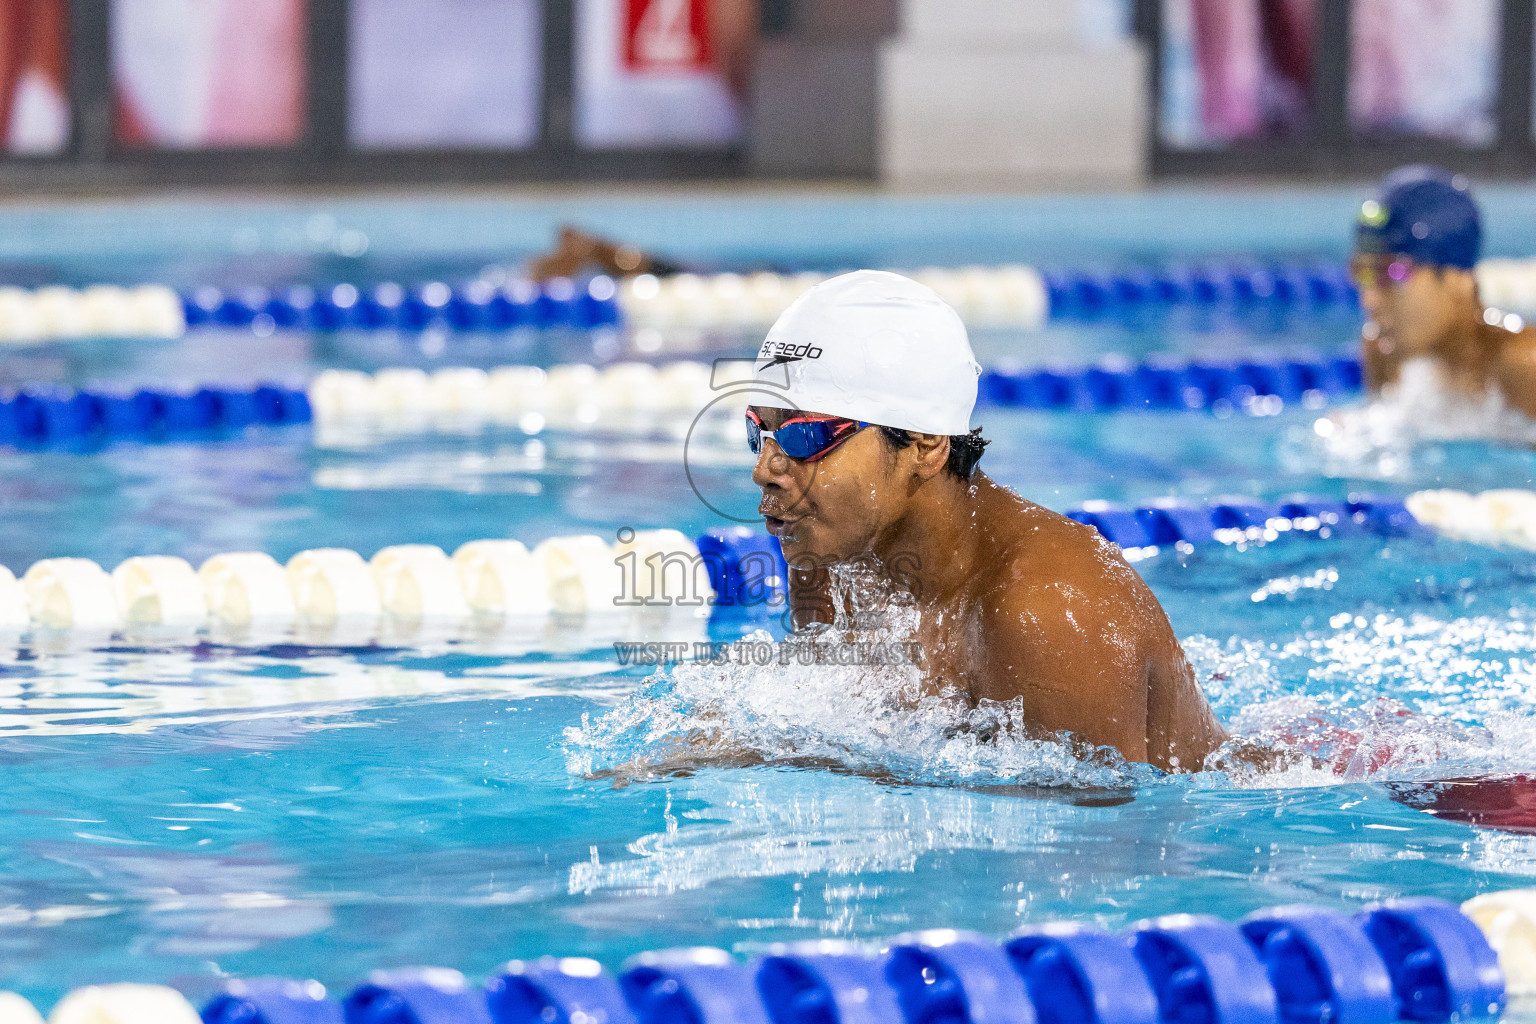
1417, 959
577, 396
1009, 296
726, 569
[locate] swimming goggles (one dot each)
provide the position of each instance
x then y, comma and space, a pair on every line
1380, 271
803, 437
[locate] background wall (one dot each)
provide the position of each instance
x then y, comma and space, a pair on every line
914, 94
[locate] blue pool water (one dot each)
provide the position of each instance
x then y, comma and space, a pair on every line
180, 808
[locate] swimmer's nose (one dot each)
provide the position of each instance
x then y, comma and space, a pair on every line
772, 466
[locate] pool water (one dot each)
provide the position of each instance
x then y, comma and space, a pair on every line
184, 807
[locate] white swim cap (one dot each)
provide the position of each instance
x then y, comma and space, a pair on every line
872, 346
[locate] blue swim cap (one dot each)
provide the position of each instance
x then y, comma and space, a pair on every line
1423, 213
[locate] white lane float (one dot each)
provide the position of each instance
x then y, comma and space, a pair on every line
331, 584
662, 568
516, 392
14, 1009
61, 312
242, 587
398, 391
57, 313
1508, 920
501, 577
159, 590
459, 393
1508, 285
343, 395
569, 575
418, 581
628, 387
124, 1004
70, 593
13, 602
1010, 296
410, 584
580, 575
1499, 518
685, 385
570, 395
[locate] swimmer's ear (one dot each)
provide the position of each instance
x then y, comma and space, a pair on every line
931, 452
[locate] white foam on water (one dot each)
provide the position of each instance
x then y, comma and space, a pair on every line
874, 719
1387, 700
1375, 440
1390, 699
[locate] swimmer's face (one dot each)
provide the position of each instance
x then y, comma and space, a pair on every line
835, 506
1413, 308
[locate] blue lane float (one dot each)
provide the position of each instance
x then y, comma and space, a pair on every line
48, 417
1081, 975
1086, 294
1200, 969
956, 976
1241, 519
826, 982
36, 419
570, 990
1255, 386
273, 1001
1411, 960
1322, 966
748, 572
1069, 294
1439, 962
421, 995
691, 986
477, 306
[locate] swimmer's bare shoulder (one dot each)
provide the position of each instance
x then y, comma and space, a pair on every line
1514, 367
1069, 628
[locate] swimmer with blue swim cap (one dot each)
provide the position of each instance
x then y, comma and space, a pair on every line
1416, 244
864, 447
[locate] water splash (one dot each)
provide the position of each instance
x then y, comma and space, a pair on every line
1390, 700
1377, 440
874, 717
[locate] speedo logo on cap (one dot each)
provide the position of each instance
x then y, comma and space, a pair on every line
783, 350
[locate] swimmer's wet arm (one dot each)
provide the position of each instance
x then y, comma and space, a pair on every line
1181, 727
1069, 660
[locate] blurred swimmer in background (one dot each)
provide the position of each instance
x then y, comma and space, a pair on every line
1416, 244
577, 252
866, 386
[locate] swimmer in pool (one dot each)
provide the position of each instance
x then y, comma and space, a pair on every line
1416, 243
865, 388
578, 252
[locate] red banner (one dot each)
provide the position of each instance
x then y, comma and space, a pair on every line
667, 35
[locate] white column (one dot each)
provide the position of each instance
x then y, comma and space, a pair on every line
1012, 94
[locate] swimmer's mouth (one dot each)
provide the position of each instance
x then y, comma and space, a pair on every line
777, 525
